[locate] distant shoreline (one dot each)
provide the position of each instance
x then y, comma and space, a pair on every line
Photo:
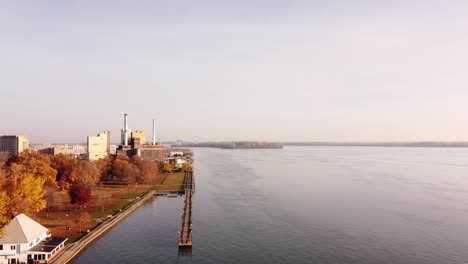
280, 145
434, 144
231, 145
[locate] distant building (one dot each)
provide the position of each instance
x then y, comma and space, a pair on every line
73, 150
14, 145
99, 146
134, 143
26, 241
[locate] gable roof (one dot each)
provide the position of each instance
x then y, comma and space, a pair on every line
22, 229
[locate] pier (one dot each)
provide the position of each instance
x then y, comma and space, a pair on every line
185, 229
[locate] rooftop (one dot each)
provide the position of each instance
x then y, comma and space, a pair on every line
48, 245
22, 229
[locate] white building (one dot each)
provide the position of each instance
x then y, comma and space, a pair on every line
99, 146
25, 241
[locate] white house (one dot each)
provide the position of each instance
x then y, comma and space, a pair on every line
26, 241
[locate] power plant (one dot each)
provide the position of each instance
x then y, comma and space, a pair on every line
134, 143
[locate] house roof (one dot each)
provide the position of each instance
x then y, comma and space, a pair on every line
48, 245
22, 229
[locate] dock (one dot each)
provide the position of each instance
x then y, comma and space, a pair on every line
185, 229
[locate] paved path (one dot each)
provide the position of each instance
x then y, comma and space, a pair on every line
73, 250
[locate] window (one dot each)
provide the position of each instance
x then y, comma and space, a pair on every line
13, 247
1, 247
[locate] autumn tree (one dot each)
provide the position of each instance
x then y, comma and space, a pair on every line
148, 170
36, 164
87, 174
104, 167
131, 173
79, 194
118, 168
3, 177
136, 160
66, 167
50, 197
168, 167
4, 209
4, 201
186, 167
26, 192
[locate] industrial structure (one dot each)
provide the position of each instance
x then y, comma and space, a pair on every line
99, 146
13, 145
134, 143
77, 151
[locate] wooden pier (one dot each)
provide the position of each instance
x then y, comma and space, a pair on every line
185, 229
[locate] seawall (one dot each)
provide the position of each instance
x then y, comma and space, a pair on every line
73, 250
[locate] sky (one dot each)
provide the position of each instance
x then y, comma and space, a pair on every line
289, 70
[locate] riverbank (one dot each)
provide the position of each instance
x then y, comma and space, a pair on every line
73, 250
70, 221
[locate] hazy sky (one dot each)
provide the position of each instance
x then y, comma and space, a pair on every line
235, 70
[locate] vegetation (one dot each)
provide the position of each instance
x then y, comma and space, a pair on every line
52, 188
80, 194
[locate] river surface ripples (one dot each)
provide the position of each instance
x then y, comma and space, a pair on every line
307, 205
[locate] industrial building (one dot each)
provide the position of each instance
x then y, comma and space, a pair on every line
14, 145
134, 143
140, 134
77, 151
99, 146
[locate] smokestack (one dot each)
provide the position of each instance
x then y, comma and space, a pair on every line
125, 130
154, 131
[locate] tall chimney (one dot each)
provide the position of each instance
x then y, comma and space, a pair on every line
154, 131
125, 130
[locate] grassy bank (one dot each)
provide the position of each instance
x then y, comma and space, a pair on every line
66, 220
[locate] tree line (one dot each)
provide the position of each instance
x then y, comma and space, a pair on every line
28, 182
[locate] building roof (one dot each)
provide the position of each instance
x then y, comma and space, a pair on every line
48, 245
22, 229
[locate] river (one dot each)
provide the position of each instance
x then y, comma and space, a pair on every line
307, 205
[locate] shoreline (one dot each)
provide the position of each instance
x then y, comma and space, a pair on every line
75, 249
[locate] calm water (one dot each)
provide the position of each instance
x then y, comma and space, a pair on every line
308, 205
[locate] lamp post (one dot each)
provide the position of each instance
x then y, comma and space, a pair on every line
66, 221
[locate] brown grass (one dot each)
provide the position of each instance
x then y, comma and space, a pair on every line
107, 200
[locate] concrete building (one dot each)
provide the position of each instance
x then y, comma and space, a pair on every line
99, 146
14, 145
26, 241
74, 151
